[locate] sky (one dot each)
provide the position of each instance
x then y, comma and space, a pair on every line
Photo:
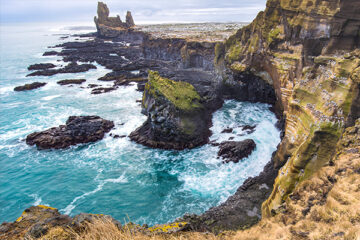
143, 11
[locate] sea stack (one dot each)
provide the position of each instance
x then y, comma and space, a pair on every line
111, 26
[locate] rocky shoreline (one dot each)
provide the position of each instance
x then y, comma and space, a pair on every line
182, 67
310, 75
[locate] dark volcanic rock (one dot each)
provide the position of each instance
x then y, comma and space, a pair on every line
243, 209
50, 53
71, 81
72, 67
233, 151
102, 90
227, 130
30, 86
78, 129
41, 66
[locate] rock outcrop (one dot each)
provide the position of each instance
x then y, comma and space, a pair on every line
41, 66
309, 52
29, 86
71, 81
38, 221
111, 26
72, 67
78, 129
232, 151
175, 115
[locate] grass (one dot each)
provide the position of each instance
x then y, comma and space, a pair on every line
182, 94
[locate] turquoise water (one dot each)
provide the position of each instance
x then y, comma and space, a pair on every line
112, 176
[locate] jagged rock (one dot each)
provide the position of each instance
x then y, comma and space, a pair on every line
129, 20
71, 81
30, 86
111, 26
78, 129
227, 130
232, 151
72, 67
34, 222
41, 66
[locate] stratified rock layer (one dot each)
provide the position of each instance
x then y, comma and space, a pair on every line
78, 129
309, 52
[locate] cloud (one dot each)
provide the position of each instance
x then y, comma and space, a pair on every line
143, 10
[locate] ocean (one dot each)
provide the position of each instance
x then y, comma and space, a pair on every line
113, 176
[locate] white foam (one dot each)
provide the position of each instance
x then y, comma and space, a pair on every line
69, 208
48, 98
37, 200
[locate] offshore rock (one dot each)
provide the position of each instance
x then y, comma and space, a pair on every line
232, 151
41, 66
176, 117
71, 81
111, 26
29, 86
72, 67
78, 129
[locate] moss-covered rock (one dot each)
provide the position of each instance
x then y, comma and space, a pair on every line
177, 118
181, 94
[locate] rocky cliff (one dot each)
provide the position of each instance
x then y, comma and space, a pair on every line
309, 52
176, 115
110, 26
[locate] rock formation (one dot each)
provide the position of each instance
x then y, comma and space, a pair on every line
176, 116
78, 129
111, 26
29, 86
309, 52
232, 151
71, 81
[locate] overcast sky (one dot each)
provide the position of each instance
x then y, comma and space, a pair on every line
144, 11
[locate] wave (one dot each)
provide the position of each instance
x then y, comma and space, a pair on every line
69, 208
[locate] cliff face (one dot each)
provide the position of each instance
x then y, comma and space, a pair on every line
309, 51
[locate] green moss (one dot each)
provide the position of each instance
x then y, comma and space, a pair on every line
345, 67
254, 42
238, 67
219, 52
324, 59
182, 94
234, 52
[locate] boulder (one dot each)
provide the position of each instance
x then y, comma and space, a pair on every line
30, 86
78, 129
233, 151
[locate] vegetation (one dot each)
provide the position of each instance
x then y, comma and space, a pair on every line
182, 94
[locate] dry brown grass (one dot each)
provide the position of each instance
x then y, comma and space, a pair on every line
324, 207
